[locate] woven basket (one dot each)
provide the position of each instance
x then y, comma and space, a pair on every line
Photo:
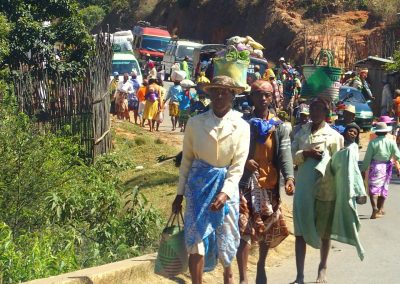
232, 67
172, 257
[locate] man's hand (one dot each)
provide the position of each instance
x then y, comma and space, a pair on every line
219, 201
177, 204
251, 165
313, 153
289, 187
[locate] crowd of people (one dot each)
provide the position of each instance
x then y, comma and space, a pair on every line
235, 154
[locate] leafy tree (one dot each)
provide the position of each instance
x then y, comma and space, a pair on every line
395, 66
4, 52
92, 16
38, 26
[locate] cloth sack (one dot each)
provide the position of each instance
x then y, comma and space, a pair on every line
178, 75
172, 257
160, 117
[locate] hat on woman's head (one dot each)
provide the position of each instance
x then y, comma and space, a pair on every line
350, 108
322, 101
222, 82
115, 74
353, 125
304, 109
261, 86
386, 119
381, 127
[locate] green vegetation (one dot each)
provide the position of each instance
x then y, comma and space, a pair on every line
157, 181
38, 26
92, 16
59, 214
395, 66
386, 12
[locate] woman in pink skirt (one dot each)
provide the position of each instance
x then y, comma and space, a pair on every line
379, 153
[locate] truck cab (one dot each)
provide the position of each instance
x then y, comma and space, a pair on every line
150, 43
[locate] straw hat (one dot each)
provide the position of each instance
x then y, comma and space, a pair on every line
304, 109
222, 82
381, 127
350, 108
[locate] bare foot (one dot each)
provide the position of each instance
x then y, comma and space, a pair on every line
299, 279
322, 275
381, 212
374, 214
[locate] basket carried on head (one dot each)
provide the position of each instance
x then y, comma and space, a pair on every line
322, 80
172, 257
233, 64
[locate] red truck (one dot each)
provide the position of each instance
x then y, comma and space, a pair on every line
149, 42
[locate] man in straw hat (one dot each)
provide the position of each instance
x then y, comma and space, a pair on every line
377, 158
261, 218
215, 148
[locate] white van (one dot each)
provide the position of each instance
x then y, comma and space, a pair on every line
176, 52
125, 63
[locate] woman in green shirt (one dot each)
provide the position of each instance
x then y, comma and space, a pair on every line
377, 158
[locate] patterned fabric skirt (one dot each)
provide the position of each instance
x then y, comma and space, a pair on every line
379, 177
261, 218
173, 109
218, 230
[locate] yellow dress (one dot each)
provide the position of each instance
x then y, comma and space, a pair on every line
151, 108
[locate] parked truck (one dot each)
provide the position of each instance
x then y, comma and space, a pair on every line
150, 43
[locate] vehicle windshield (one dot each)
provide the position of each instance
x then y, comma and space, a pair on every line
185, 51
155, 43
351, 96
125, 66
121, 46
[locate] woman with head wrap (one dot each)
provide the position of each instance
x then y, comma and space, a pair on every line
261, 218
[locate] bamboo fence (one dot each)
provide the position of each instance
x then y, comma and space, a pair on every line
60, 104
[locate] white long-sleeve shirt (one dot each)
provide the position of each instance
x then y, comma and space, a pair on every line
221, 142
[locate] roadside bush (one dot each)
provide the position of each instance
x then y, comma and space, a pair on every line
58, 214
